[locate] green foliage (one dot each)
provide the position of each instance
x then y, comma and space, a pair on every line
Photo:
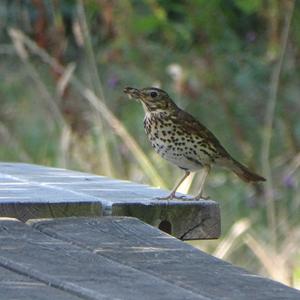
249, 6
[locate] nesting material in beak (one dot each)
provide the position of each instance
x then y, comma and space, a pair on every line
132, 93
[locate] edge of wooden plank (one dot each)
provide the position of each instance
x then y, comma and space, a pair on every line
55, 262
184, 219
139, 245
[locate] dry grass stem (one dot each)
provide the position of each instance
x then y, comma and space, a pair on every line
229, 241
97, 104
269, 122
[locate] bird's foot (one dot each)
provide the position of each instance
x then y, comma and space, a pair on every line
201, 197
173, 197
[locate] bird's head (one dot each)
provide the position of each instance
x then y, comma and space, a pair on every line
153, 99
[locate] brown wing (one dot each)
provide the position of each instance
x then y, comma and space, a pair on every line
191, 125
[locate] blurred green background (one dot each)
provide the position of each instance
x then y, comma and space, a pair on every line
233, 63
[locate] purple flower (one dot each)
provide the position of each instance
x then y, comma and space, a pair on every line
113, 81
289, 181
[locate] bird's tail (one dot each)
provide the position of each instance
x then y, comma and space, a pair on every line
243, 172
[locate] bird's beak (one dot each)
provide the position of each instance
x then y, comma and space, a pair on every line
133, 93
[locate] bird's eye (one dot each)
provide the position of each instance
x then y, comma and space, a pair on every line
153, 94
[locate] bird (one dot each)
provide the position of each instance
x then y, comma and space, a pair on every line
181, 139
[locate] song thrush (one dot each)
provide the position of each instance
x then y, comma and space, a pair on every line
179, 138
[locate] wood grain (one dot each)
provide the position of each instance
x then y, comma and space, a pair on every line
17, 286
139, 246
30, 191
77, 270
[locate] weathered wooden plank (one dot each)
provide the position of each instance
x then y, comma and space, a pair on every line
19, 287
202, 223
24, 199
30, 191
77, 270
130, 242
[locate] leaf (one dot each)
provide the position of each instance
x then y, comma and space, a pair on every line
248, 6
147, 24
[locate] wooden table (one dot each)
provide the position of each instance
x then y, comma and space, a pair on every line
117, 258
30, 191
106, 256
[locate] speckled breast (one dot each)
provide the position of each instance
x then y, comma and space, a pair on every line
173, 143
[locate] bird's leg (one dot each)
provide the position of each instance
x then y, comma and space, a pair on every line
173, 192
205, 173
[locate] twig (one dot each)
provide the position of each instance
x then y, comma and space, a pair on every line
269, 120
54, 109
273, 263
97, 104
97, 87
